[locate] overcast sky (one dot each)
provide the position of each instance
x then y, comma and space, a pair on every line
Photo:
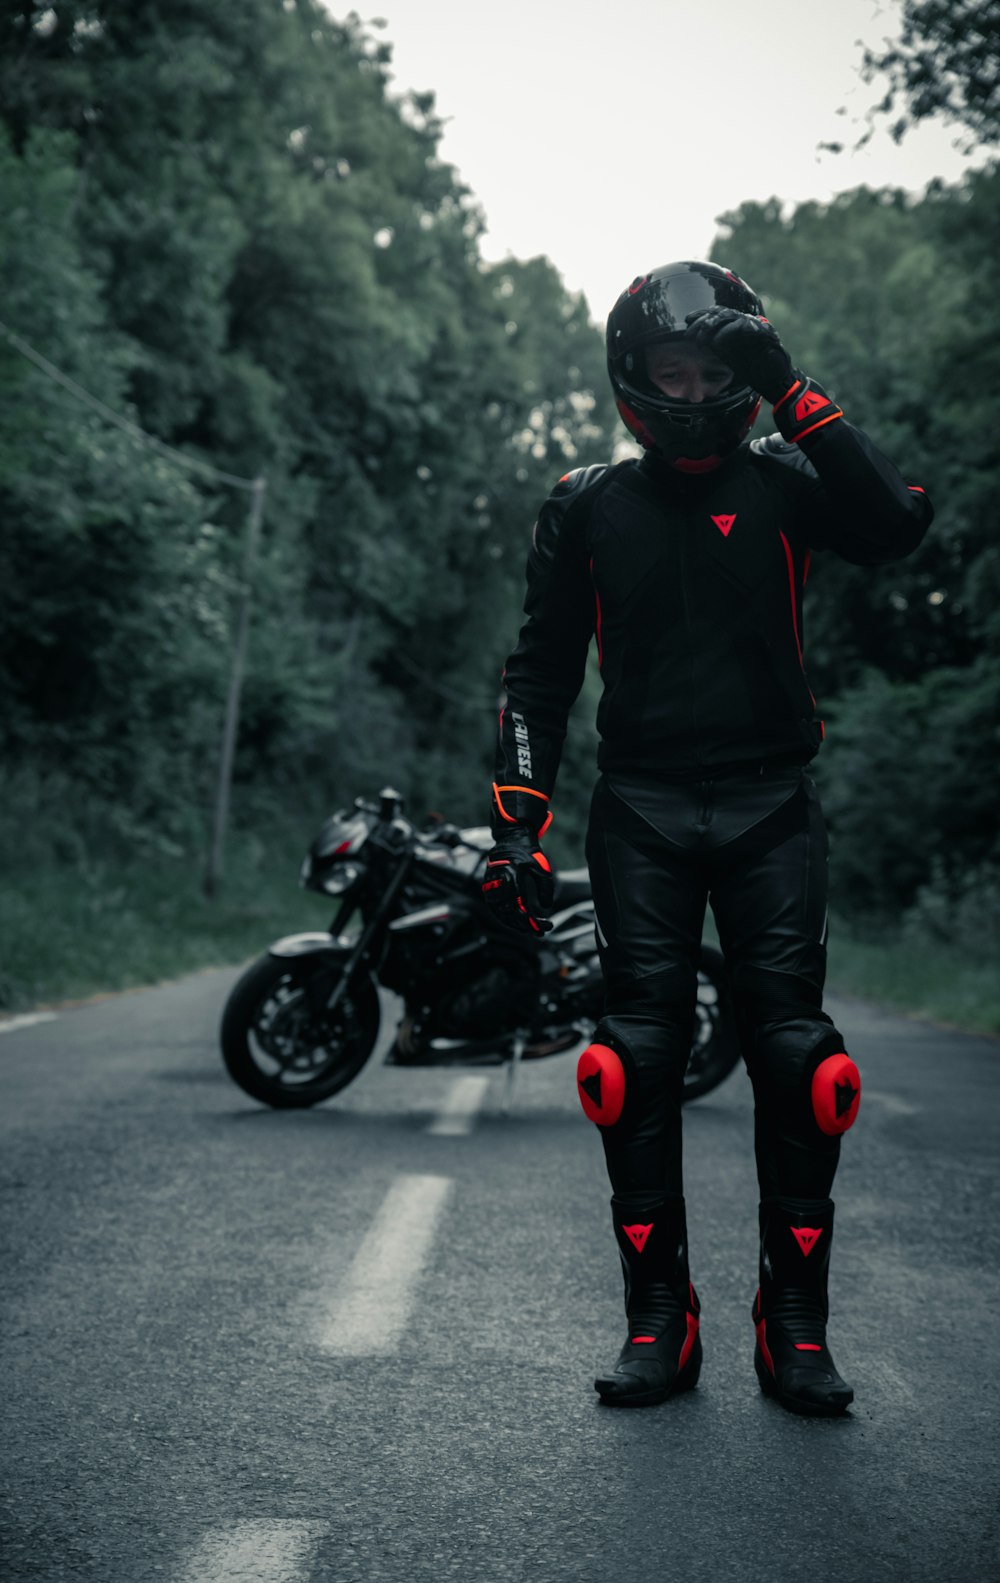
609, 134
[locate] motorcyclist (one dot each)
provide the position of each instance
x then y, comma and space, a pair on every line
688, 566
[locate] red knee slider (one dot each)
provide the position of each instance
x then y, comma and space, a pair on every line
600, 1079
836, 1094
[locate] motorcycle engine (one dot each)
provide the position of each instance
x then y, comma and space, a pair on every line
494, 1000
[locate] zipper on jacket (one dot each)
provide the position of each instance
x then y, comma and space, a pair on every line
695, 737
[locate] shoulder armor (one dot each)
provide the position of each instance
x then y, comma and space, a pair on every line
570, 489
579, 479
774, 448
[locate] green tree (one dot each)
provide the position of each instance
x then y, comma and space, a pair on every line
945, 64
95, 680
887, 300
289, 280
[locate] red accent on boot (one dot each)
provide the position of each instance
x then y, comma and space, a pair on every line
806, 1237
692, 1335
760, 1326
791, 1359
637, 1235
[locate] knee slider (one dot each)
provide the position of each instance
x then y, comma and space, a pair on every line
600, 1083
800, 1067
836, 1093
631, 1065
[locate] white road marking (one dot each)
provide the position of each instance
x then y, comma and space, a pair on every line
374, 1304
268, 1550
458, 1112
29, 1017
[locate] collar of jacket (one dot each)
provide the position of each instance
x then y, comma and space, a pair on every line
654, 467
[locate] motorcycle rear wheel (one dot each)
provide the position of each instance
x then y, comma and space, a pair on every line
276, 1047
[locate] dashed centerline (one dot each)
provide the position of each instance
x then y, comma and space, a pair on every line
26, 1021
268, 1550
373, 1306
458, 1112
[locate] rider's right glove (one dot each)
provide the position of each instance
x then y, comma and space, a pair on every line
518, 887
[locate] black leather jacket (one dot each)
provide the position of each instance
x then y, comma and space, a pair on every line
692, 586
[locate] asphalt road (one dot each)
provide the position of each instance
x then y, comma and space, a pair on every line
357, 1344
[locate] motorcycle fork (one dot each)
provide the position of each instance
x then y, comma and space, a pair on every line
321, 1000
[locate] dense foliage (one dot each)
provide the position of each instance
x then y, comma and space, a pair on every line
890, 301
222, 220
945, 63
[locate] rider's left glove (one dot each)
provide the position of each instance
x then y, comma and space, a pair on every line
750, 345
752, 348
518, 887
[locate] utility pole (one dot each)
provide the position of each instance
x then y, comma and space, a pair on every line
213, 872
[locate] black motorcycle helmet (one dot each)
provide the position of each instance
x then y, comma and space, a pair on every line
692, 436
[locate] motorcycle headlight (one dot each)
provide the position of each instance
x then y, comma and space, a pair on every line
340, 879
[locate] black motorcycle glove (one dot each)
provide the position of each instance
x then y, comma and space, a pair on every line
518, 887
752, 348
750, 345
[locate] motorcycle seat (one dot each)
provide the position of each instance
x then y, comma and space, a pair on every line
572, 885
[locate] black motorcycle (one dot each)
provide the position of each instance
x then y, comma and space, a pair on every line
303, 1020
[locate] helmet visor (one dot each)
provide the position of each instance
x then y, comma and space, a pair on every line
681, 369
674, 374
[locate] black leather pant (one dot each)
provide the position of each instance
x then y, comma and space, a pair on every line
754, 845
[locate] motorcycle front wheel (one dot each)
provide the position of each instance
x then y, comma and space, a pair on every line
283, 1049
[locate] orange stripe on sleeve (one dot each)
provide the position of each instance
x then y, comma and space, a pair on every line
831, 419
789, 392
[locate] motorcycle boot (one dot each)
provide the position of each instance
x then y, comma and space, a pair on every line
662, 1354
792, 1360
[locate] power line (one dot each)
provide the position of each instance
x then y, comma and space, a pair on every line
257, 488
125, 424
443, 691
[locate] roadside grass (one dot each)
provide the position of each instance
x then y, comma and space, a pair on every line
83, 924
97, 924
922, 975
